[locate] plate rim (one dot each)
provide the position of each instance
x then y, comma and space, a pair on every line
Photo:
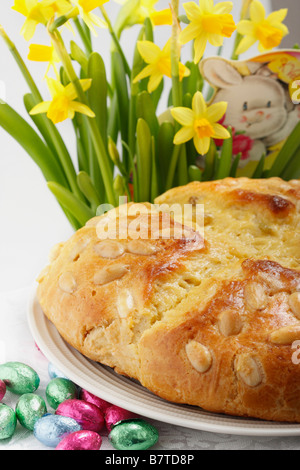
254, 428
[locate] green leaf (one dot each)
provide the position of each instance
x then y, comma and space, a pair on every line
292, 170
154, 177
88, 189
83, 139
138, 64
144, 159
258, 172
97, 93
194, 82
122, 99
210, 162
235, 165
79, 56
225, 159
286, 153
195, 174
40, 123
81, 156
183, 177
146, 110
156, 94
26, 136
70, 202
113, 121
165, 147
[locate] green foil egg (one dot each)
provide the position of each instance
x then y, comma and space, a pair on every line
59, 390
19, 378
8, 421
133, 434
29, 409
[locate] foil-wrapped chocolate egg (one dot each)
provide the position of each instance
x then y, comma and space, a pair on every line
89, 397
51, 429
54, 372
60, 389
89, 416
81, 440
29, 409
134, 434
19, 378
114, 414
2, 389
8, 421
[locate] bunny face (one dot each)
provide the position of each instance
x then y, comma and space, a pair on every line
256, 106
256, 103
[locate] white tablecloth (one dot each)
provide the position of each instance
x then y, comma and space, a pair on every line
17, 344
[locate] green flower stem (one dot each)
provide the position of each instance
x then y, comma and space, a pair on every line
61, 150
85, 39
238, 38
116, 40
134, 90
172, 167
176, 90
176, 86
101, 152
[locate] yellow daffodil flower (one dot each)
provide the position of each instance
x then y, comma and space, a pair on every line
136, 11
41, 53
268, 31
207, 23
63, 106
159, 64
39, 12
200, 123
85, 8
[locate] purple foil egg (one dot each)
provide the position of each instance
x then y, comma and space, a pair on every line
89, 397
2, 389
81, 440
89, 416
114, 414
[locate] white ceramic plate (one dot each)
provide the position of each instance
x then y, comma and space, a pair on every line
105, 383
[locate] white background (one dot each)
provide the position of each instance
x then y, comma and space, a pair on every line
31, 221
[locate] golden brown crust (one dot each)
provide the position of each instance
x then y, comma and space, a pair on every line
207, 322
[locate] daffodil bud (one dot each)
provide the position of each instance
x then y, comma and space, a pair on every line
113, 151
78, 55
119, 186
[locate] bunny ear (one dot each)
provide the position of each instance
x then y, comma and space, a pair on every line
220, 73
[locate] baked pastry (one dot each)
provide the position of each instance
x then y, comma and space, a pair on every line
206, 318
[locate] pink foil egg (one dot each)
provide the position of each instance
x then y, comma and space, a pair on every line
2, 389
89, 397
89, 416
114, 414
81, 440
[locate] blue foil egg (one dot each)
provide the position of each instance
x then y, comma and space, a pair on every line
54, 372
51, 429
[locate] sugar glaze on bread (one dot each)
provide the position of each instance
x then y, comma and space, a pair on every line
203, 321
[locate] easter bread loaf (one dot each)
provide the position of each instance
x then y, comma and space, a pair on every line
207, 318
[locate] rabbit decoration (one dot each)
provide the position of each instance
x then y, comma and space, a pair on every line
259, 104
